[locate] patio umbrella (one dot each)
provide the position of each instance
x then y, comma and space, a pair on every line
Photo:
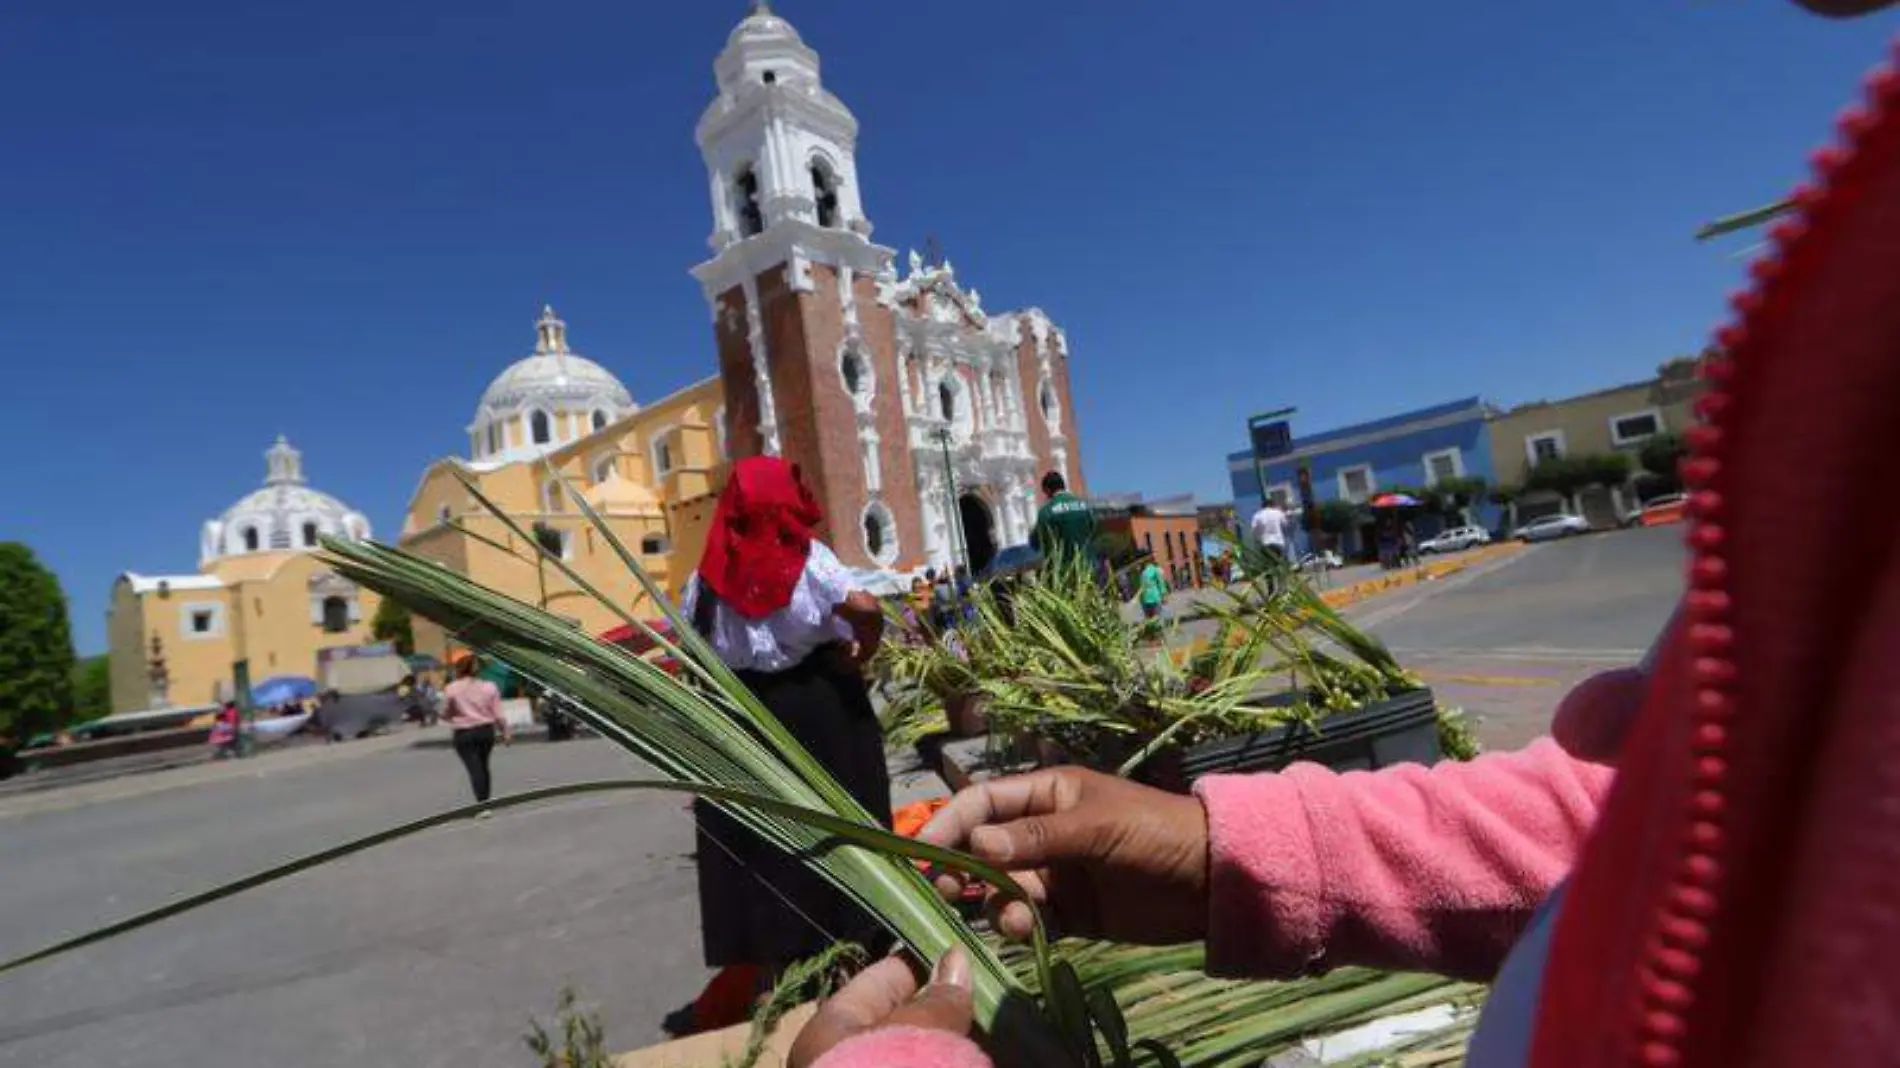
283, 689
1393, 500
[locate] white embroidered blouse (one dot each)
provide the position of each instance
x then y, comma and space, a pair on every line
789, 635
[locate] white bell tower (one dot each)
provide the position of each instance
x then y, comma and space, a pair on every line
778, 147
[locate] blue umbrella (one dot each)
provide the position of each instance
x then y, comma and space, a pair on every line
282, 689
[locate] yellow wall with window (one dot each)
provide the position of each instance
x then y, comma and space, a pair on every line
651, 475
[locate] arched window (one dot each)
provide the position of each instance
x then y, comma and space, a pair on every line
603, 469
309, 535
880, 534
538, 428
336, 615
442, 515
947, 401
852, 367
824, 188
653, 545
600, 419
1046, 399
745, 187
250, 539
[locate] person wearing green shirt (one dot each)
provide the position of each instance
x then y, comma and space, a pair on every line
1065, 523
1154, 589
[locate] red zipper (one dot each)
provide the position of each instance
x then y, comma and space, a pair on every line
1679, 933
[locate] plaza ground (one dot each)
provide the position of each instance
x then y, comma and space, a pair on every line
432, 953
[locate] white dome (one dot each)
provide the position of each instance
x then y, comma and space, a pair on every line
553, 381
284, 515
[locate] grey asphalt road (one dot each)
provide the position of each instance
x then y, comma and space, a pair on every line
429, 952
1506, 640
434, 951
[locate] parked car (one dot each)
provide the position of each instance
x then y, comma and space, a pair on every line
1455, 540
1666, 509
1325, 558
1551, 527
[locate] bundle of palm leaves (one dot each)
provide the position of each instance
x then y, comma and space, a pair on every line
1053, 658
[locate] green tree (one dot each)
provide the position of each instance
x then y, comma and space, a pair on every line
391, 623
92, 688
1340, 517
36, 647
1605, 469
1660, 456
1457, 494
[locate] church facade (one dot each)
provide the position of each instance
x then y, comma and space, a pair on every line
261, 595
922, 422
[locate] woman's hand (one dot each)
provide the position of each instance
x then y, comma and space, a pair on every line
886, 995
1110, 858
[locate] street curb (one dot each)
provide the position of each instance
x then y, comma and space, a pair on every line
1399, 580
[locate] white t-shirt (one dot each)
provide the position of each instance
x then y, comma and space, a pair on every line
1269, 526
789, 635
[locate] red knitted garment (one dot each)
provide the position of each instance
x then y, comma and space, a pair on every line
761, 534
1740, 901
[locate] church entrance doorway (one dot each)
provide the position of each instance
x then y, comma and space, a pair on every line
979, 532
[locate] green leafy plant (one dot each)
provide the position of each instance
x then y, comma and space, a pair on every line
392, 624
1053, 658
582, 1042
813, 978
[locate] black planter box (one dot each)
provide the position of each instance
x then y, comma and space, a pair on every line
1398, 730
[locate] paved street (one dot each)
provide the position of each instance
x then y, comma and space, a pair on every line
434, 951
429, 952
1506, 640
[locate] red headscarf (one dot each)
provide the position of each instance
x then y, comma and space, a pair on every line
760, 536
1737, 903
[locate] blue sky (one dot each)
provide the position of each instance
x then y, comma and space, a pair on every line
337, 221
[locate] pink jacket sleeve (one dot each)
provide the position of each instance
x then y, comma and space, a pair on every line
904, 1047
1429, 869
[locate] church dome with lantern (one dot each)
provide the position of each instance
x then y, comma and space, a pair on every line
544, 401
283, 515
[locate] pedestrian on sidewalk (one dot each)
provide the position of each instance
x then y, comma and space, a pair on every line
1153, 589
780, 610
474, 715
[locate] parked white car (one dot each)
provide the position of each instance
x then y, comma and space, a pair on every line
1324, 558
1456, 539
1552, 526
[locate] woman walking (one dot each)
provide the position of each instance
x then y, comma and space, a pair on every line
474, 714
784, 614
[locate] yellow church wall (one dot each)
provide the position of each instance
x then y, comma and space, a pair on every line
198, 665
665, 532
277, 630
126, 650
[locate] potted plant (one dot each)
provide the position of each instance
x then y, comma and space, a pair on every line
1282, 677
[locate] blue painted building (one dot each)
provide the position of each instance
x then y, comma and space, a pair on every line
1357, 463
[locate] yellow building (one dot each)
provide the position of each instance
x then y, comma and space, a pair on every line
652, 471
261, 596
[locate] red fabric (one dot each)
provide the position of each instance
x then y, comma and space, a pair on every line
761, 534
1737, 905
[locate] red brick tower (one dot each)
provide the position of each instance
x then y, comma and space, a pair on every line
902, 402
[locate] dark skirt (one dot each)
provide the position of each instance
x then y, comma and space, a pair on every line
824, 703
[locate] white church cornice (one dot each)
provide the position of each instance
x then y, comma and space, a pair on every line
795, 245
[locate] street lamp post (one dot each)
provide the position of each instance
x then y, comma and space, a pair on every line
957, 547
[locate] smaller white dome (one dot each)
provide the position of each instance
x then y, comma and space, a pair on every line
554, 380
285, 515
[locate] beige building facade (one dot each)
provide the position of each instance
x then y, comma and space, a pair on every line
261, 596
1618, 419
